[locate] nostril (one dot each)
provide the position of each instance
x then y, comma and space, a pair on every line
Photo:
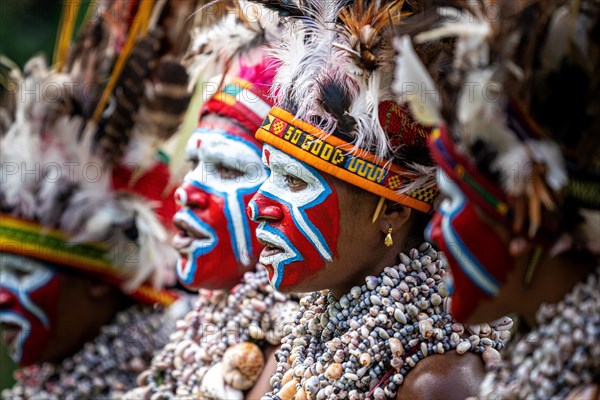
271, 212
263, 208
197, 199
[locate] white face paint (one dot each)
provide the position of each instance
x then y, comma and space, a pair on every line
26, 298
282, 167
227, 173
294, 187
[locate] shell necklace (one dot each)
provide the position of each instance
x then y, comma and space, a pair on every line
216, 351
563, 352
105, 367
363, 346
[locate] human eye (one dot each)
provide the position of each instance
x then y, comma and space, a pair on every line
294, 183
18, 272
193, 162
227, 172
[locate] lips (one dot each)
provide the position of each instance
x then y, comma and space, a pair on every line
275, 249
10, 332
189, 233
270, 249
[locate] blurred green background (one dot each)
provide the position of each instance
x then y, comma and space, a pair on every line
6, 369
27, 27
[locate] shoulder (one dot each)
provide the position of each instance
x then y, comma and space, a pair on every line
444, 376
585, 392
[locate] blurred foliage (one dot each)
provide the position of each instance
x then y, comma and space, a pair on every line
6, 369
30, 27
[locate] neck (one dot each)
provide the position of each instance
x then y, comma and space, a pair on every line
388, 259
555, 277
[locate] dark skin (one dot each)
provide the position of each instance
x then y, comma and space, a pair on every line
444, 376
554, 277
85, 304
360, 242
361, 253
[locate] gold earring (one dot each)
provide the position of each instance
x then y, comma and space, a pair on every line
388, 241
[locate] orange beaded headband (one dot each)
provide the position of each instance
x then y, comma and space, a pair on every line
337, 157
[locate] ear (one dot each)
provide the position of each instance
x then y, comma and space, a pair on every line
393, 216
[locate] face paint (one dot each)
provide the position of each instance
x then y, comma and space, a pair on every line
300, 219
215, 235
28, 302
478, 256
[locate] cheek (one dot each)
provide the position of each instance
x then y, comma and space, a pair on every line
222, 267
316, 242
214, 214
37, 309
326, 219
478, 258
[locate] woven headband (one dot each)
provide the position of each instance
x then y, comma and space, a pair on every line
32, 240
465, 175
337, 157
240, 100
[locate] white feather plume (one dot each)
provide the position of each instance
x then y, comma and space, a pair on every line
51, 176
471, 31
309, 59
414, 85
217, 46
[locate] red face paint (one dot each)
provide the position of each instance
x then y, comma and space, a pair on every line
299, 210
28, 303
216, 241
478, 257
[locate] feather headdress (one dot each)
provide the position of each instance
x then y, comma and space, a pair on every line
526, 118
335, 78
83, 180
239, 37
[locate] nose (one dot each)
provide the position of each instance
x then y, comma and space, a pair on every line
190, 196
262, 208
6, 298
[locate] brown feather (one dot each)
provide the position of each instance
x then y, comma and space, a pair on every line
114, 132
364, 24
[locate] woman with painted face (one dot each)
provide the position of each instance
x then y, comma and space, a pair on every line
520, 169
84, 247
220, 347
341, 215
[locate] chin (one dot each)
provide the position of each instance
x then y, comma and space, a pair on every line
308, 284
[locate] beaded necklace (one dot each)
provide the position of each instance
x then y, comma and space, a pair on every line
217, 349
364, 345
563, 352
105, 367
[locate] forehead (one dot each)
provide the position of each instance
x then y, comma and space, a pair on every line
214, 141
279, 161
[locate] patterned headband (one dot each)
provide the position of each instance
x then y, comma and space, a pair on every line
29, 239
334, 155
